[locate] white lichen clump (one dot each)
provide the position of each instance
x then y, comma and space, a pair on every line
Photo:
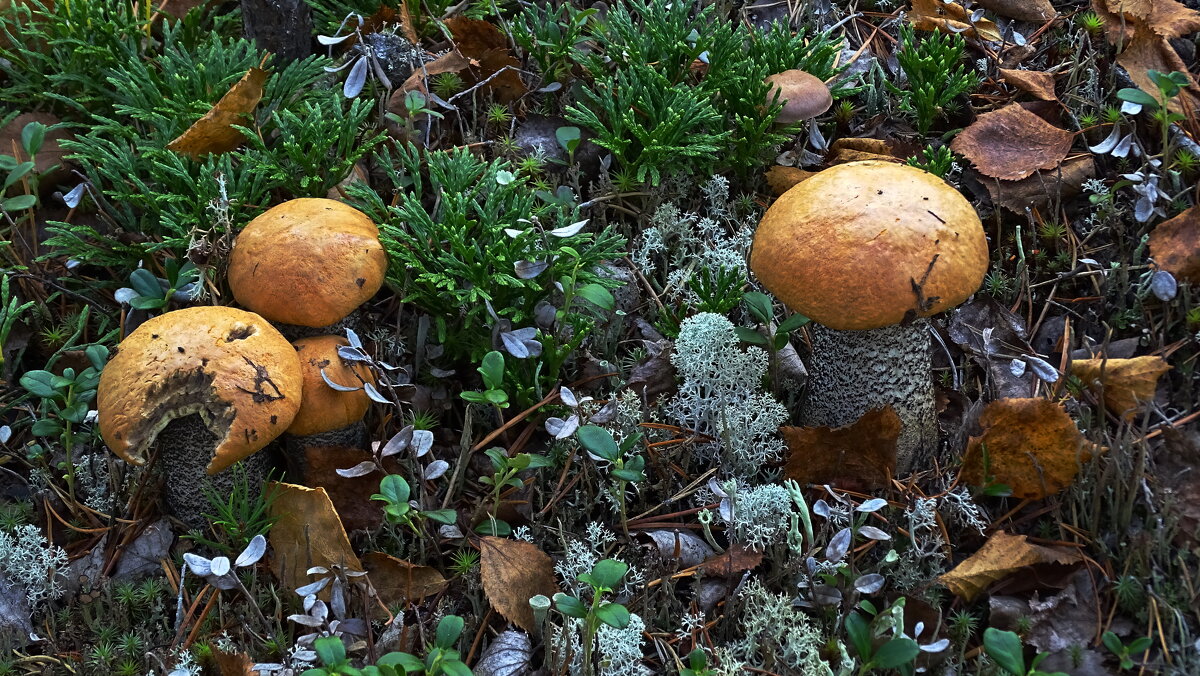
721, 395
31, 563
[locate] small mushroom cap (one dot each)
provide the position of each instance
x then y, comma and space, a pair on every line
323, 408
229, 366
860, 245
308, 261
803, 95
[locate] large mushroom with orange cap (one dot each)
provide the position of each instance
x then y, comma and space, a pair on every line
207, 386
868, 250
307, 262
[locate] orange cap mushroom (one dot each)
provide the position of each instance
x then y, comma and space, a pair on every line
861, 245
229, 366
308, 261
322, 408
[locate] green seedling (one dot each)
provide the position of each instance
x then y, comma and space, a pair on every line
442, 658
1168, 85
504, 475
603, 579
394, 492
625, 468
147, 292
1005, 649
1125, 652
493, 394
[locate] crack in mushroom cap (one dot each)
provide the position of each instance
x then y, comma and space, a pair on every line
229, 366
309, 261
863, 244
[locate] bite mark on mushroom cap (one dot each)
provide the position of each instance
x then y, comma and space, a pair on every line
229, 366
308, 261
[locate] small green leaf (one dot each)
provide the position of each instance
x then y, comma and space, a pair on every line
394, 488
759, 305
748, 335
497, 397
599, 442
1136, 96
860, 635
792, 323
1004, 648
32, 137
492, 370
568, 138
597, 295
455, 668
17, 174
613, 614
896, 652
448, 631
147, 303
447, 516
330, 650
20, 202
607, 573
570, 606
46, 427
38, 383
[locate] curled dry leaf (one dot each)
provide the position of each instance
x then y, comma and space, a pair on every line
1012, 143
860, 456
214, 132
1032, 446
780, 179
487, 48
686, 548
307, 533
999, 557
733, 561
513, 572
396, 580
1175, 245
949, 17
1167, 18
1040, 189
232, 664
450, 62
856, 149
1037, 83
508, 654
1147, 51
1125, 383
1033, 11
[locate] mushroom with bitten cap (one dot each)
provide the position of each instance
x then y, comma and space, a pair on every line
212, 385
868, 250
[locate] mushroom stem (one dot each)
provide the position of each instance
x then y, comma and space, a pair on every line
180, 443
852, 372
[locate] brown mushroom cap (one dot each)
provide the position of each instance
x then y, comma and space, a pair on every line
308, 261
323, 408
850, 246
229, 366
804, 96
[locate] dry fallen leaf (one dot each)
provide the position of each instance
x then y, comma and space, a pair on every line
733, 561
852, 149
396, 580
232, 664
1033, 11
1125, 383
1037, 83
999, 557
1012, 143
1175, 245
1148, 51
781, 179
487, 47
1167, 18
317, 466
307, 533
450, 62
513, 572
948, 17
859, 456
1038, 190
1032, 446
213, 133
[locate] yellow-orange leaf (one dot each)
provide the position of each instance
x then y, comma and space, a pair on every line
396, 580
1125, 383
949, 17
1175, 245
1032, 446
213, 133
1000, 556
307, 533
513, 572
860, 456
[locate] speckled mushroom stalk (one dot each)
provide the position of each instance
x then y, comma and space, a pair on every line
203, 388
867, 250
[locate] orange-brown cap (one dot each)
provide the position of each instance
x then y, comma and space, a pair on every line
229, 366
803, 95
861, 244
308, 261
323, 408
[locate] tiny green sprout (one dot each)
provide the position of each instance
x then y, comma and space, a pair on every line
447, 84
463, 561
492, 371
498, 113
1052, 230
1090, 22
697, 664
937, 161
1125, 652
1184, 161
626, 468
1088, 120
1005, 649
442, 658
504, 475
394, 493
603, 579
1111, 114
843, 112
